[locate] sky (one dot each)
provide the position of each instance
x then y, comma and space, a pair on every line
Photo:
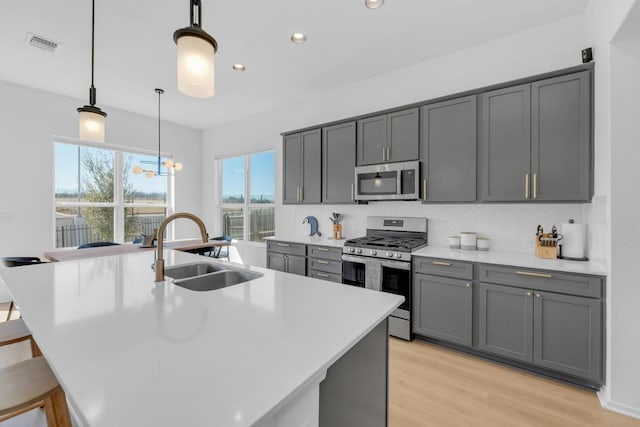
262, 175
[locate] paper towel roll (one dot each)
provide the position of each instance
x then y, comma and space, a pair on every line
574, 242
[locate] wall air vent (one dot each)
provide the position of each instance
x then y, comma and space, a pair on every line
42, 43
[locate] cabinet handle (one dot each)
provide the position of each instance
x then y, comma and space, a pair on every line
297, 194
468, 285
353, 192
446, 264
388, 153
302, 193
529, 293
526, 186
323, 262
322, 275
424, 190
286, 245
322, 249
384, 153
529, 273
538, 295
535, 186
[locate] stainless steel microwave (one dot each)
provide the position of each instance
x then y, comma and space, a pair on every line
389, 181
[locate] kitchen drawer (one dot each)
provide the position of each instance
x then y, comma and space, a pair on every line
287, 248
331, 277
324, 252
443, 267
552, 281
324, 265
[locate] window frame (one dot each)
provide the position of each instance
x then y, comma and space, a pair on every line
118, 204
246, 205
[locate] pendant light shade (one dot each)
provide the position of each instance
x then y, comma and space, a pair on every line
196, 49
91, 122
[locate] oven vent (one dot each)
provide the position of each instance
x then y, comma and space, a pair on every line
42, 43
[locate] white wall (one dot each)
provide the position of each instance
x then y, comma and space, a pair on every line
29, 120
542, 49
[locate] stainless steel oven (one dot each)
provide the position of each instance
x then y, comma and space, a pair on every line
386, 276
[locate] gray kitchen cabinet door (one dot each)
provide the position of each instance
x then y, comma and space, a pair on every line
372, 140
506, 144
561, 138
296, 265
443, 308
506, 321
276, 261
338, 163
403, 140
292, 168
568, 334
448, 151
310, 186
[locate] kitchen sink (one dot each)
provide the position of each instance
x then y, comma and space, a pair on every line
216, 280
191, 270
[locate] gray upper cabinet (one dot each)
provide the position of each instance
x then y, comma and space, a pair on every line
302, 167
506, 321
506, 144
443, 308
392, 137
448, 151
536, 141
338, 163
568, 334
561, 138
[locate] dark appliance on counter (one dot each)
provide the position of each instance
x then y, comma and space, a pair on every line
382, 261
390, 181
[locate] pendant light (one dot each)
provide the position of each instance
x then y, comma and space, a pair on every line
168, 163
91, 122
196, 48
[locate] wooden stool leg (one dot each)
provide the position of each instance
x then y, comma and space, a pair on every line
35, 350
56, 410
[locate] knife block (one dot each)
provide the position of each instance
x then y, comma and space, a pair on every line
548, 252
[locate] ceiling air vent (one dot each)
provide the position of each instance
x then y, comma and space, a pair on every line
42, 43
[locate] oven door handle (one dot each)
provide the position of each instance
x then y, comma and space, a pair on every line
356, 259
397, 265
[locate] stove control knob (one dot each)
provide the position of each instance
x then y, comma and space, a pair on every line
351, 250
398, 255
359, 251
374, 253
390, 254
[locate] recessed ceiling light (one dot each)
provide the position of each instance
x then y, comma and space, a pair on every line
239, 67
298, 38
373, 4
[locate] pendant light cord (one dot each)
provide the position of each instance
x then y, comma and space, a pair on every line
194, 4
92, 89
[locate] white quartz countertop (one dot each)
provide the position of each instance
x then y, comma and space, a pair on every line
130, 352
514, 259
310, 240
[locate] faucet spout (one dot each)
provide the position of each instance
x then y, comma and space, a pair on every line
159, 250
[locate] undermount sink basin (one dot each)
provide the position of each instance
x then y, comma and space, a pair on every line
191, 270
208, 277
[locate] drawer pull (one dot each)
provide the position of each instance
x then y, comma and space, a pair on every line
322, 262
529, 293
538, 295
446, 264
528, 273
322, 275
322, 249
286, 245
468, 285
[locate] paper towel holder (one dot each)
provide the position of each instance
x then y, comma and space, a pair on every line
560, 256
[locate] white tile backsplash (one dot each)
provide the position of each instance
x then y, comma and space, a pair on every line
511, 227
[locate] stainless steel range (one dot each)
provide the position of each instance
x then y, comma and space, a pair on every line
382, 261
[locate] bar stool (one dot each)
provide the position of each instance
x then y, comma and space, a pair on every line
30, 384
15, 331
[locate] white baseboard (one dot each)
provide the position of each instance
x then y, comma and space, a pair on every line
619, 407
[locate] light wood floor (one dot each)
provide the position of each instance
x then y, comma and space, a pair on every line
434, 386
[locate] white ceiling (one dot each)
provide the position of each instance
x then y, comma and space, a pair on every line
347, 42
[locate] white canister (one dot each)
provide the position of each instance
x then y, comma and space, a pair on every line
482, 243
454, 242
468, 240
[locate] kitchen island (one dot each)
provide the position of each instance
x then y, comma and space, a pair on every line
132, 352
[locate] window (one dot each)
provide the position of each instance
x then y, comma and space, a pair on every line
98, 197
250, 218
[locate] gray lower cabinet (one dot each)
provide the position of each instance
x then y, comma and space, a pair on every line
506, 321
536, 141
324, 262
287, 256
568, 334
448, 151
302, 167
393, 137
338, 163
443, 308
317, 261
